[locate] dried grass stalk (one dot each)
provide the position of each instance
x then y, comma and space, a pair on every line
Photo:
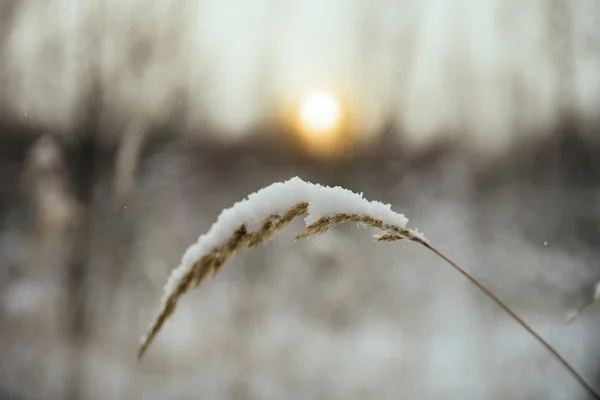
242, 239
575, 314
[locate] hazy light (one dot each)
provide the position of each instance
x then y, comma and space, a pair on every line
320, 124
427, 68
320, 113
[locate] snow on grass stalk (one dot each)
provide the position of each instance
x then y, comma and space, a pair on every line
256, 219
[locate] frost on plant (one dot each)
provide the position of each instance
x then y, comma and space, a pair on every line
256, 219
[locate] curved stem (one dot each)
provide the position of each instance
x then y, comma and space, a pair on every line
514, 316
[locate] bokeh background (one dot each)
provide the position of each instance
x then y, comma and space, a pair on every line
126, 127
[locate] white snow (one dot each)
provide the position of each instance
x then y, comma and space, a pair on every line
278, 198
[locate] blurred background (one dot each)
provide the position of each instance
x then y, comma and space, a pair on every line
126, 127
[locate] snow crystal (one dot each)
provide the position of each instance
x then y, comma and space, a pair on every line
278, 198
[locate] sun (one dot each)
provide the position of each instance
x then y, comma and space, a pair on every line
320, 113
319, 123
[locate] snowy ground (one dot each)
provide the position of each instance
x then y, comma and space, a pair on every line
337, 317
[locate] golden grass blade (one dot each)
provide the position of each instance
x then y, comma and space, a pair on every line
212, 262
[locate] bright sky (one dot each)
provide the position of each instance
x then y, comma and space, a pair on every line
482, 70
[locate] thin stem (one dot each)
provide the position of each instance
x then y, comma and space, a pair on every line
514, 316
581, 310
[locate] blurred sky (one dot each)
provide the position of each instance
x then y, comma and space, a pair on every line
489, 69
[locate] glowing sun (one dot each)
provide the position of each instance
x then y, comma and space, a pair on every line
320, 113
